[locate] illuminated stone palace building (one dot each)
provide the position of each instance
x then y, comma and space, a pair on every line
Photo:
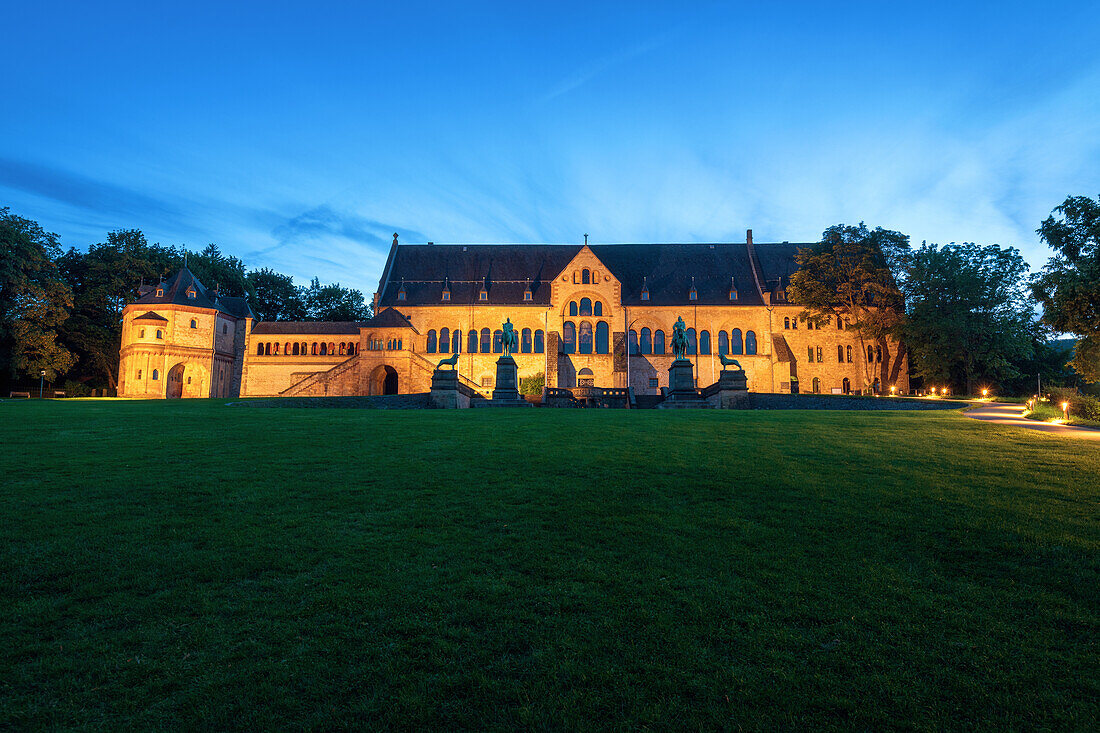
586, 315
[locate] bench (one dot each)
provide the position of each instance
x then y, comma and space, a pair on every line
20, 395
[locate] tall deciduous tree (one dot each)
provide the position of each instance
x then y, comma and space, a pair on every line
334, 303
970, 315
214, 269
853, 274
34, 301
275, 297
105, 280
1069, 285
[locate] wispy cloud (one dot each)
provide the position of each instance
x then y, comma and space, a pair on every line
586, 73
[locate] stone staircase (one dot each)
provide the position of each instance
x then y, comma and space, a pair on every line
428, 366
317, 384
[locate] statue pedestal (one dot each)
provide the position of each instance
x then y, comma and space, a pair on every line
730, 392
681, 388
506, 387
445, 392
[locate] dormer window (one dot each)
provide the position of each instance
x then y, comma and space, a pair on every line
483, 295
528, 296
446, 296
401, 295
693, 294
160, 292
190, 292
733, 295
645, 288
733, 289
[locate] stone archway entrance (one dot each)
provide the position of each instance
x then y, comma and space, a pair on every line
383, 380
174, 383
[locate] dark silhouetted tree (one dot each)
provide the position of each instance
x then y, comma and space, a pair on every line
1069, 285
275, 297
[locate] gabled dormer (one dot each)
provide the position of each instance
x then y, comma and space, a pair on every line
645, 288
402, 294
693, 294
445, 296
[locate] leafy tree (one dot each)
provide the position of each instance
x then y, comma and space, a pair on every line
105, 280
853, 274
533, 384
275, 297
34, 301
334, 303
213, 269
1069, 286
970, 313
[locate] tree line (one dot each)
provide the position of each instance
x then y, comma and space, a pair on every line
966, 314
61, 310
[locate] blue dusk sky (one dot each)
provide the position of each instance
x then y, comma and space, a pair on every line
301, 136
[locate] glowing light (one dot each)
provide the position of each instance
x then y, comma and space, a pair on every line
985, 392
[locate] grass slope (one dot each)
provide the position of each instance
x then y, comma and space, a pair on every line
190, 564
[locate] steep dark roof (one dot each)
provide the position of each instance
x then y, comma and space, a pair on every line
506, 271
175, 292
666, 270
151, 316
388, 318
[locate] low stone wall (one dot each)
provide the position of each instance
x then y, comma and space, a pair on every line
387, 402
759, 401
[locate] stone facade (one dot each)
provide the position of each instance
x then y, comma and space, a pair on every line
577, 310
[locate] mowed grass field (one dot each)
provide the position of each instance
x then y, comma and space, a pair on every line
195, 565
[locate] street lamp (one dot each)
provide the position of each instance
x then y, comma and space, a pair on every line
985, 393
41, 380
1065, 411
893, 389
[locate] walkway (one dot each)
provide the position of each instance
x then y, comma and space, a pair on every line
1007, 414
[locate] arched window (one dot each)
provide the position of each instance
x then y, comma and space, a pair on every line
159, 334
331, 349
870, 353
840, 353
525, 341
787, 323
572, 307
156, 375
597, 308
498, 341
810, 358
286, 349
584, 338
430, 346
849, 351
343, 349
276, 350
194, 323
586, 278
750, 342
267, 349
540, 341
691, 341
456, 341
586, 306
296, 349
585, 378
817, 386
704, 342
313, 349
645, 344
602, 337
444, 341
723, 343
471, 342
569, 338
736, 347
846, 385
486, 341
632, 342
259, 349
304, 348
324, 349
658, 341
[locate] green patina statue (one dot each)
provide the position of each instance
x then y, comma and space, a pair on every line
511, 341
727, 361
679, 339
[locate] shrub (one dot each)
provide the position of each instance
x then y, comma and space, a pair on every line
1082, 406
532, 385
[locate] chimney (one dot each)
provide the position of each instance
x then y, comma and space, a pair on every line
748, 237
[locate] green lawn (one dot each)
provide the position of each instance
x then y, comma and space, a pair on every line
194, 565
